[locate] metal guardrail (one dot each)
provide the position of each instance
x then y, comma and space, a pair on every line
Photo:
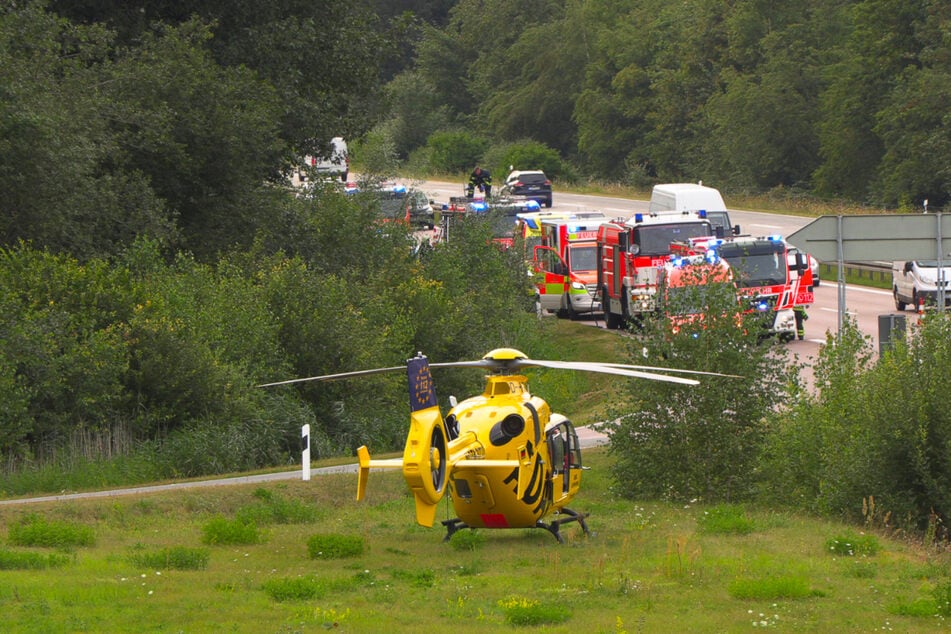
881, 271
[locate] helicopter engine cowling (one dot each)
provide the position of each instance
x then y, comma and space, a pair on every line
425, 462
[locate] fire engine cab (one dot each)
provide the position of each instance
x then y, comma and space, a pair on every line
769, 280
565, 266
631, 255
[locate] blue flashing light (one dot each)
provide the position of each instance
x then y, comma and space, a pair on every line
478, 206
638, 217
775, 238
702, 213
676, 261
762, 306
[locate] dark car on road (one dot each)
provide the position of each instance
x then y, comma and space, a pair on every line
531, 184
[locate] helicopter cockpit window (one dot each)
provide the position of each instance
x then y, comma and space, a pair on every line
556, 449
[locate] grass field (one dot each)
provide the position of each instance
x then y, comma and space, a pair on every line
305, 557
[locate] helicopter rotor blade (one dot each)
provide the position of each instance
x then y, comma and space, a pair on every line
514, 361
676, 370
601, 368
334, 377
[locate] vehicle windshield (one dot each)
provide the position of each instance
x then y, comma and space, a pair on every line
656, 239
583, 257
756, 265
393, 204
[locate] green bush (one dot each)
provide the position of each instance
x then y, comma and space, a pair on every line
35, 530
172, 558
221, 531
455, 151
15, 560
523, 612
334, 546
294, 588
525, 155
877, 428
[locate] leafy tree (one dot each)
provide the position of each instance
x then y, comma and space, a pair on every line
205, 136
879, 46
322, 58
702, 442
537, 84
62, 187
414, 112
912, 123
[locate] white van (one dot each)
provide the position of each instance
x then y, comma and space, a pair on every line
915, 283
337, 165
693, 197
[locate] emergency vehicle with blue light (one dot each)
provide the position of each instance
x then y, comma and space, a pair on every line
769, 280
631, 255
565, 266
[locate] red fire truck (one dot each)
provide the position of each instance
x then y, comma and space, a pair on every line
565, 266
769, 280
630, 255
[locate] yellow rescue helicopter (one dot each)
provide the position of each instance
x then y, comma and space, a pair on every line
507, 460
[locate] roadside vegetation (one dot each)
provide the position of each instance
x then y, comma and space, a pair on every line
650, 565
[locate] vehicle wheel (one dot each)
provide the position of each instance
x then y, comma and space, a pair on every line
899, 305
914, 301
548, 203
572, 313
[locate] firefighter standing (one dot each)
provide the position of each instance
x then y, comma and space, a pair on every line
481, 179
801, 318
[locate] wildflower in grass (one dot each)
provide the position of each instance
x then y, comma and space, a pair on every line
850, 545
522, 611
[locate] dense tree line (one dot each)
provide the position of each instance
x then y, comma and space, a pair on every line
836, 98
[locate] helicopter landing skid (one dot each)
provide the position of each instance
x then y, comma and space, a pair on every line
456, 524
573, 516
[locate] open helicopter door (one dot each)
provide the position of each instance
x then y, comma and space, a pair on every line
425, 456
564, 454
